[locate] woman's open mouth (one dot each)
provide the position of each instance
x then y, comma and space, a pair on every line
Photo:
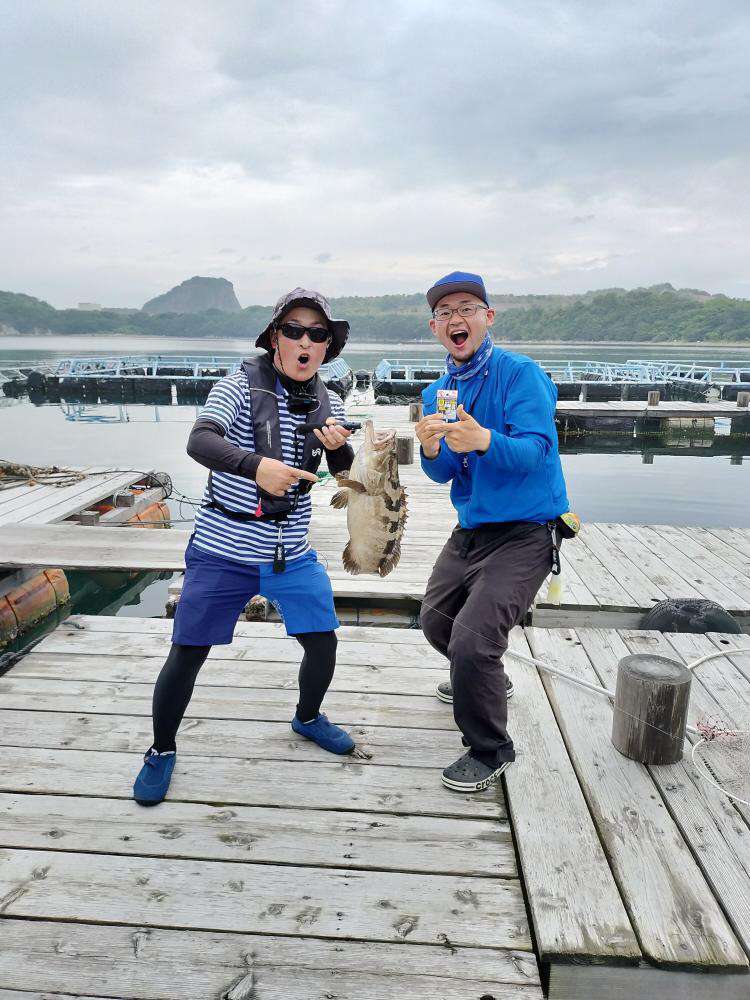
459, 338
303, 360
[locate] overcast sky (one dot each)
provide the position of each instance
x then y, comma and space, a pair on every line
368, 147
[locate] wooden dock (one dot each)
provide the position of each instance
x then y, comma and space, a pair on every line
276, 870
91, 496
613, 573
44, 503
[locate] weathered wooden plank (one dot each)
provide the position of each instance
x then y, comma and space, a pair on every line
567, 982
215, 702
560, 856
318, 838
737, 537
723, 677
602, 584
642, 590
696, 574
706, 561
663, 576
716, 835
736, 560
282, 983
677, 920
574, 592
253, 630
22, 496
331, 785
50, 504
151, 964
243, 647
141, 669
272, 899
549, 616
248, 740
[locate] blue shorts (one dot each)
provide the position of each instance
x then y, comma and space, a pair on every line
216, 590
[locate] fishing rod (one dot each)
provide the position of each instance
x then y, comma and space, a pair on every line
347, 425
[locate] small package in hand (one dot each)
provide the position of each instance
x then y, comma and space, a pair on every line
447, 403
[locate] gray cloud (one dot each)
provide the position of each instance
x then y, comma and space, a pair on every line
552, 145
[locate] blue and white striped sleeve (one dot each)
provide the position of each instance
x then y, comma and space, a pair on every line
337, 406
224, 404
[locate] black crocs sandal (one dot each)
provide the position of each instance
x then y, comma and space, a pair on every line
468, 774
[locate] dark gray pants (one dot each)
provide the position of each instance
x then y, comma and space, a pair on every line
481, 586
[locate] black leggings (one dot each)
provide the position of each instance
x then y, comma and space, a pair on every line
174, 686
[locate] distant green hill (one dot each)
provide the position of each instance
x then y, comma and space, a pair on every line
645, 314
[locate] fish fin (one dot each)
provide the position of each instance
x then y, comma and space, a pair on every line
350, 563
351, 484
390, 561
340, 499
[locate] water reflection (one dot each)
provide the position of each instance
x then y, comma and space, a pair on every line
601, 435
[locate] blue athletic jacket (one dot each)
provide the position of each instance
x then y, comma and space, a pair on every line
519, 477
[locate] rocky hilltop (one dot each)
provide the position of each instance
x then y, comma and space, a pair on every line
196, 295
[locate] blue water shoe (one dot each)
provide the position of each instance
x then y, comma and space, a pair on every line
325, 734
152, 783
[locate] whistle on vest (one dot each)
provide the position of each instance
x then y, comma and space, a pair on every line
279, 553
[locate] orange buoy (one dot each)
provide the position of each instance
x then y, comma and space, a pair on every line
155, 512
29, 602
8, 622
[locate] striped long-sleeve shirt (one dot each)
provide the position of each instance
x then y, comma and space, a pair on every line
228, 405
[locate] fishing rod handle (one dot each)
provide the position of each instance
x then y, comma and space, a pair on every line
309, 428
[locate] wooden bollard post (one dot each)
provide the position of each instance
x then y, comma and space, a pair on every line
743, 399
650, 710
415, 412
653, 397
405, 450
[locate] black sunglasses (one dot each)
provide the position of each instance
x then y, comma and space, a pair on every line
317, 334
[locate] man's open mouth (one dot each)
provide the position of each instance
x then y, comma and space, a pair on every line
303, 359
459, 338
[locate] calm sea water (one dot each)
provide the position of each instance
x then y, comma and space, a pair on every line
675, 489
361, 355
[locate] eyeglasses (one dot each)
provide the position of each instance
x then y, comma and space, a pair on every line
292, 331
466, 311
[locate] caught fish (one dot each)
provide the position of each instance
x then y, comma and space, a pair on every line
376, 505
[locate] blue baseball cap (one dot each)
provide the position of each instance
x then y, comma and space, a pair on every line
457, 281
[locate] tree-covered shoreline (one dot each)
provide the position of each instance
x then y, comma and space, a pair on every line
657, 314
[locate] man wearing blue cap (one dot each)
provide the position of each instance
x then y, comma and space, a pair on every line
494, 439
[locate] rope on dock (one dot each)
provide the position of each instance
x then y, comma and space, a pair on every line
13, 474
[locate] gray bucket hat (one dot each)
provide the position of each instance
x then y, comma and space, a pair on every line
314, 300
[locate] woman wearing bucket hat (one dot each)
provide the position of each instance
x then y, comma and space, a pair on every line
250, 533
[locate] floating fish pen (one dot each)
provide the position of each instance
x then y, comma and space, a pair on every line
152, 378
399, 380
728, 377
